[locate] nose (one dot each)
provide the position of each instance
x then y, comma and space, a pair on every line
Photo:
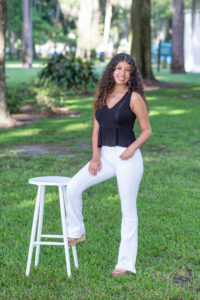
123, 72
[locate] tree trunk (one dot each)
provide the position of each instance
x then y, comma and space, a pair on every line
140, 35
5, 118
11, 44
107, 23
27, 41
57, 17
177, 65
88, 27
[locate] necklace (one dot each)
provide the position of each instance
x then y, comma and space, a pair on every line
115, 95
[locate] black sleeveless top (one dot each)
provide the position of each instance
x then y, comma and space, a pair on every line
116, 123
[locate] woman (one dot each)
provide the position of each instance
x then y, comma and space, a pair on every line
118, 102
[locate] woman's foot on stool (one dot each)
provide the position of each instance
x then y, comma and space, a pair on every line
120, 272
74, 241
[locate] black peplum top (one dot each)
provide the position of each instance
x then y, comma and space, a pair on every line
116, 123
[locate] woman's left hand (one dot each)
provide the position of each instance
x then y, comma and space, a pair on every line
126, 154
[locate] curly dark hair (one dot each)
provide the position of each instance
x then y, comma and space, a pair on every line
107, 82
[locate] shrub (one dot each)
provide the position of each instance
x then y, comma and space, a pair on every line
40, 97
17, 96
69, 72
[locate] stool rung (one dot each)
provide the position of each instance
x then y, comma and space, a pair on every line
52, 236
48, 243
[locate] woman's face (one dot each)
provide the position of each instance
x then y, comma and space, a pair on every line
122, 73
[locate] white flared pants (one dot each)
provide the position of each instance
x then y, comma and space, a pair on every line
129, 173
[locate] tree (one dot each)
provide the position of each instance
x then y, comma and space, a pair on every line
14, 26
107, 24
195, 8
27, 41
120, 23
5, 118
161, 20
177, 65
140, 34
88, 27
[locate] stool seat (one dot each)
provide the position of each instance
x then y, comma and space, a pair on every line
36, 234
50, 180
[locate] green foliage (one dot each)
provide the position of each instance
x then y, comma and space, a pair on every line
161, 17
41, 98
14, 16
44, 23
68, 72
26, 88
43, 29
16, 97
119, 23
161, 10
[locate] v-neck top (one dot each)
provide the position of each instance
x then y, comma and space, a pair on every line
116, 123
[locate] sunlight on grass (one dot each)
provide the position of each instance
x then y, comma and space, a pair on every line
196, 88
166, 111
178, 111
150, 98
187, 78
79, 100
19, 65
16, 133
29, 203
76, 126
154, 113
147, 158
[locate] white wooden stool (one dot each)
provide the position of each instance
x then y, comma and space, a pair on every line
61, 183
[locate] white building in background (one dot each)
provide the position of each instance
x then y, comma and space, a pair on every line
192, 42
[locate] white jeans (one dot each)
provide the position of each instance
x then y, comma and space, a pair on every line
129, 173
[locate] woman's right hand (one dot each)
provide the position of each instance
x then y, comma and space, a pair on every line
94, 166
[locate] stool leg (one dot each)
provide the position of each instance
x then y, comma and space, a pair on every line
75, 256
65, 196
73, 247
65, 202
35, 218
39, 232
62, 211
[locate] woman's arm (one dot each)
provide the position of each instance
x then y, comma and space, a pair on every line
139, 109
95, 163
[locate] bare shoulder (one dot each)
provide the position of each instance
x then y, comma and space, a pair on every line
136, 102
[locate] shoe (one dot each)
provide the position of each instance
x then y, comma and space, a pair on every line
74, 241
120, 272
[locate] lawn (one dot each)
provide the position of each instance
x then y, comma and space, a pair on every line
168, 203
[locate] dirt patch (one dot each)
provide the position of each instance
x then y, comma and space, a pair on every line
39, 149
182, 280
195, 100
156, 148
43, 149
28, 117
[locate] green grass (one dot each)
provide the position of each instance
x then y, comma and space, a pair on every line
168, 206
16, 75
187, 78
